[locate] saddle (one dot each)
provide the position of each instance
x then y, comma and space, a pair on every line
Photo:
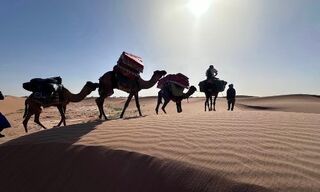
212, 85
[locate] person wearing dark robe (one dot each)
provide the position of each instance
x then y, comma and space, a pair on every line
211, 73
231, 97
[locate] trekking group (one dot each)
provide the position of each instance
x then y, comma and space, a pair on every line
126, 77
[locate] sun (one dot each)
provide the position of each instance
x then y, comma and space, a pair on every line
198, 7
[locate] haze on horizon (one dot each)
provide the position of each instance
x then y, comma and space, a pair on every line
263, 47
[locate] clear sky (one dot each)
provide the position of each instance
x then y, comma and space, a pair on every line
263, 47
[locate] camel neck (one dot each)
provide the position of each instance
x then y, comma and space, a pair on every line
148, 84
78, 97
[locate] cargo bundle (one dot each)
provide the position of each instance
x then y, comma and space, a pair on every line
178, 79
129, 65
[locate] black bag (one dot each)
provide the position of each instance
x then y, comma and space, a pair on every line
4, 123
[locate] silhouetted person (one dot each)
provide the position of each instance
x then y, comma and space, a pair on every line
211, 73
231, 97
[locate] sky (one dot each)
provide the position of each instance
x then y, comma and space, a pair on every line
263, 47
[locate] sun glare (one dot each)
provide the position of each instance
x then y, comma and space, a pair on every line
198, 7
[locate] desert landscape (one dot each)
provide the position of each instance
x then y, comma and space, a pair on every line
266, 144
85, 87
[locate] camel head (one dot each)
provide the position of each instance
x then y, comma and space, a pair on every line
191, 91
159, 73
224, 84
92, 86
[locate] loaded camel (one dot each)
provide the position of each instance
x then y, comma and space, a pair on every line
211, 89
167, 95
112, 80
33, 106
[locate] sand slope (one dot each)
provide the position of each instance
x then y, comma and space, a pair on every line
244, 150
288, 103
11, 105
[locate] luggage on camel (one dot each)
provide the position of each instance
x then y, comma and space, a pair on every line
45, 89
129, 65
213, 84
176, 90
175, 82
178, 79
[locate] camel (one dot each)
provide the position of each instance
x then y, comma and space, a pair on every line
111, 80
211, 90
33, 106
167, 96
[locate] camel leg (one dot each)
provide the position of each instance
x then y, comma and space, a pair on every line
62, 114
136, 97
99, 102
25, 109
211, 103
126, 105
159, 102
64, 120
36, 120
179, 108
164, 105
214, 102
26, 119
205, 104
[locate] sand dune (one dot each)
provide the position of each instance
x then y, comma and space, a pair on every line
244, 150
63, 167
11, 105
288, 103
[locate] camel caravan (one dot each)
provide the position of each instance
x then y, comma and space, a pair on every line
125, 76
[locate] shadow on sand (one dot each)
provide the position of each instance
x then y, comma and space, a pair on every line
68, 134
50, 160
255, 107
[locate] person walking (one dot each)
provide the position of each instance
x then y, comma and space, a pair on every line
231, 97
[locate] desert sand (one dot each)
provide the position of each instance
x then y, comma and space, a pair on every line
266, 144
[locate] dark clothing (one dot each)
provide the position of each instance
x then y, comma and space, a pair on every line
231, 93
231, 97
4, 123
211, 73
1, 96
231, 103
